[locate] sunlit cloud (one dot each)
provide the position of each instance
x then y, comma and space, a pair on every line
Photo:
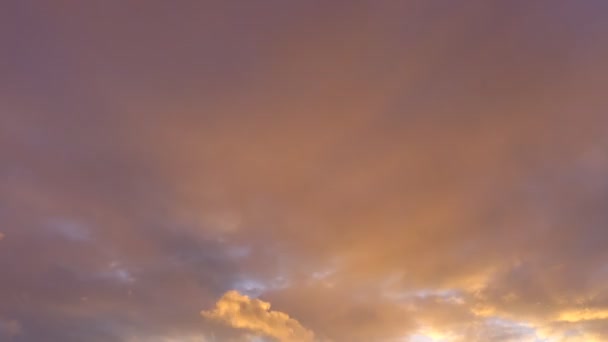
379, 171
254, 315
583, 315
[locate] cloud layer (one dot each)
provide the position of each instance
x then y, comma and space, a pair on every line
381, 171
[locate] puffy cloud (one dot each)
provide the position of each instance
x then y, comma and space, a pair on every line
241, 312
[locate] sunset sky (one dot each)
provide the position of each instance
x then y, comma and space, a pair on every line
304, 171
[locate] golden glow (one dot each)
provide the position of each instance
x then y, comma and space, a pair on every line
241, 312
583, 315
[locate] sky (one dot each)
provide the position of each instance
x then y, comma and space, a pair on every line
304, 171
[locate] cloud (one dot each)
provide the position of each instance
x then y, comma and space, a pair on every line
583, 315
10, 328
445, 163
254, 315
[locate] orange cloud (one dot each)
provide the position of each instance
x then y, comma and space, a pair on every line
254, 315
583, 315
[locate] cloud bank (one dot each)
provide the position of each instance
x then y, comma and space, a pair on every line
380, 170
